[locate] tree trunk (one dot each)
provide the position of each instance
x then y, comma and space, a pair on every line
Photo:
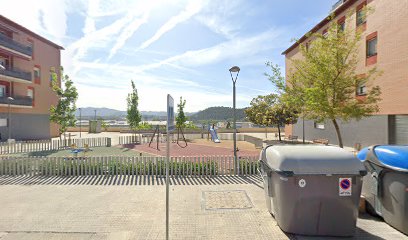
336, 126
280, 140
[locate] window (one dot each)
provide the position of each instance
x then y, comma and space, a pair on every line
37, 75
361, 14
4, 61
361, 90
342, 23
325, 33
3, 92
31, 44
342, 26
372, 47
30, 93
318, 125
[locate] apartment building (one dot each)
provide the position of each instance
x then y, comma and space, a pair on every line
384, 45
27, 61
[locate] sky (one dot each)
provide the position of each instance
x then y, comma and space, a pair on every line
181, 48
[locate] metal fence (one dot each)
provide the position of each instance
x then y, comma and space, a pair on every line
47, 145
125, 165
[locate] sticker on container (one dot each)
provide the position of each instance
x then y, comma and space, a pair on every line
344, 186
302, 183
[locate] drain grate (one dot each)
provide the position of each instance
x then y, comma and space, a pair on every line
216, 200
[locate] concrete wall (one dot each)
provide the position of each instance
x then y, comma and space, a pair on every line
26, 126
368, 131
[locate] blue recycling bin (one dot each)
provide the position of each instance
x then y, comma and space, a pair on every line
385, 187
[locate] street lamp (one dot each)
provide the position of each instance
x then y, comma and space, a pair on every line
95, 114
80, 122
9, 99
236, 70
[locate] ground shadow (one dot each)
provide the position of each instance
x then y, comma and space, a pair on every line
129, 180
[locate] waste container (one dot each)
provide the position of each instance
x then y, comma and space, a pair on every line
385, 187
312, 190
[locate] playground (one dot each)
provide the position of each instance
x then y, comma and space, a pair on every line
196, 147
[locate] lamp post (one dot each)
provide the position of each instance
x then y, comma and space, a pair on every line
236, 70
303, 129
80, 122
95, 114
9, 99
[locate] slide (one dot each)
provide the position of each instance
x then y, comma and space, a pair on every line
214, 136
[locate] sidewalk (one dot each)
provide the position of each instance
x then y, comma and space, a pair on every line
127, 208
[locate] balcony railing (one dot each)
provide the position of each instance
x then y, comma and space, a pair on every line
12, 44
18, 100
337, 4
16, 73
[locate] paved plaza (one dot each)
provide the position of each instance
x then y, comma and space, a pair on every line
123, 207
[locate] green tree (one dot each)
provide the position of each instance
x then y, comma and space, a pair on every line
145, 126
181, 117
104, 124
324, 82
269, 111
133, 115
64, 113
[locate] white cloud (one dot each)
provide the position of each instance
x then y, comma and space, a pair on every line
238, 48
192, 8
46, 18
127, 33
217, 17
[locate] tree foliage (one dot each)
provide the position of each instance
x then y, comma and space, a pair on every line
181, 117
269, 110
133, 115
324, 81
64, 113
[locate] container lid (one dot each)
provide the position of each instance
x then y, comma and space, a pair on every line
312, 160
392, 156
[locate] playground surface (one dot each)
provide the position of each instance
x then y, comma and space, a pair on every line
94, 151
198, 147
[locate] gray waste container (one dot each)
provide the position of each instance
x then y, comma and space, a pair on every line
385, 188
312, 190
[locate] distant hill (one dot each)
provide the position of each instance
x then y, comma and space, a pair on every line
100, 112
218, 113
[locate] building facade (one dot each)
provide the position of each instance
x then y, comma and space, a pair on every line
27, 61
384, 45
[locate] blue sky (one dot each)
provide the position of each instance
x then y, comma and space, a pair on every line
183, 48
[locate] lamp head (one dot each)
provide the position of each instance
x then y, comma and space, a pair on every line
10, 99
234, 69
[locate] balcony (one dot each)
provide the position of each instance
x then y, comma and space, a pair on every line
19, 101
15, 47
16, 75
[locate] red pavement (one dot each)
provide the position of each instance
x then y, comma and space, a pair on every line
192, 149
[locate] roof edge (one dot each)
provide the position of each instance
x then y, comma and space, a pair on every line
26, 30
336, 12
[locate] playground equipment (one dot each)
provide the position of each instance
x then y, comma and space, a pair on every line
180, 130
157, 135
75, 149
213, 132
156, 131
